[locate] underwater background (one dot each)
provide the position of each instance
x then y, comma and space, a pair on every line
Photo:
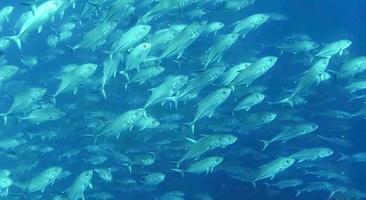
178, 99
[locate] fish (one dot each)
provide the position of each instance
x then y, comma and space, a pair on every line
7, 72
79, 185
312, 154
36, 18
331, 49
254, 71
206, 144
205, 165
24, 100
110, 69
215, 52
207, 106
41, 115
244, 26
271, 169
122, 122
310, 78
136, 56
145, 74
248, 102
291, 132
131, 37
73, 78
170, 86
91, 39
5, 14
184, 39
153, 179
45, 178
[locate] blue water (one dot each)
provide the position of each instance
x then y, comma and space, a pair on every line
325, 21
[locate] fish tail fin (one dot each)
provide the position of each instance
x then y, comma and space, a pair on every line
191, 125
176, 163
265, 144
16, 39
5, 118
102, 90
53, 99
96, 6
174, 100
253, 183
96, 137
21, 185
129, 166
343, 157
125, 74
181, 172
71, 48
288, 100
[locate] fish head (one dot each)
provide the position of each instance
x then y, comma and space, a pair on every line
88, 69
271, 116
5, 182
8, 10
270, 60
37, 93
86, 176
313, 127
13, 69
325, 152
259, 95
286, 162
217, 25
149, 159
4, 172
260, 19
111, 26
54, 172
138, 114
223, 94
228, 139
344, 43
179, 81
158, 70
146, 46
216, 160
313, 45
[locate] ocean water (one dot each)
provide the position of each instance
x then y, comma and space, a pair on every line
132, 100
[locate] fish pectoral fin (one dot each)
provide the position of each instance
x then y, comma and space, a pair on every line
210, 114
190, 140
40, 29
76, 90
